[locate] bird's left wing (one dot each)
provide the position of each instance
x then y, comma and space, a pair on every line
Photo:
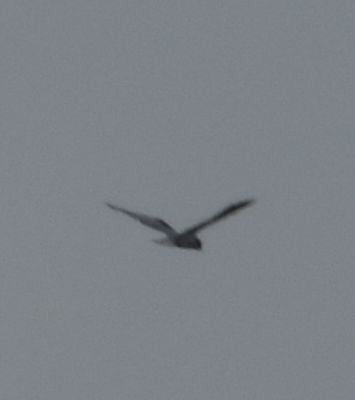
152, 222
231, 209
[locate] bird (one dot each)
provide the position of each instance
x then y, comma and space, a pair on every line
187, 238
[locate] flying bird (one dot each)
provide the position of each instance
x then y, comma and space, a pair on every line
186, 238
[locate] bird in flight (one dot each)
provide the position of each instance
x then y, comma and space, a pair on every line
186, 238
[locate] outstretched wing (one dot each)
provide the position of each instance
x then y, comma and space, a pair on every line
154, 223
231, 209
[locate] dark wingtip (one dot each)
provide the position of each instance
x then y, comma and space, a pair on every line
247, 202
241, 204
110, 205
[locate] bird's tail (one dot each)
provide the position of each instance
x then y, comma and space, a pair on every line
164, 242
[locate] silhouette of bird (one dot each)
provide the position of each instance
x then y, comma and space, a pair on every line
186, 238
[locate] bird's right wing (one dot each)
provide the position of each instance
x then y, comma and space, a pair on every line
231, 209
152, 222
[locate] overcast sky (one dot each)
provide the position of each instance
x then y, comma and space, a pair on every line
175, 109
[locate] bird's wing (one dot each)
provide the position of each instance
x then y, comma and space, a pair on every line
231, 209
154, 223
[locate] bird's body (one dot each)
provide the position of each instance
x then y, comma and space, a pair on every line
187, 238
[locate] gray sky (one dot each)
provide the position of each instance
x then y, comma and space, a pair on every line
176, 108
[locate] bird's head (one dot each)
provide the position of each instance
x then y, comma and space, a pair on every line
198, 244
194, 244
